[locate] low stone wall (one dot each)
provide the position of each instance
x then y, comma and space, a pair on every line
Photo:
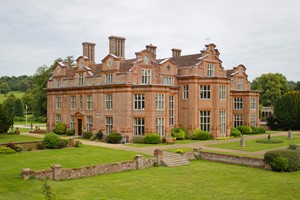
33, 145
57, 173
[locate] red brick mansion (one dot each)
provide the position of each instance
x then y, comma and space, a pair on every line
145, 94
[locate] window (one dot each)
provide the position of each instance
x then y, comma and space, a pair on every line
253, 103
240, 84
89, 102
160, 126
139, 102
222, 120
108, 78
108, 101
72, 122
238, 103
58, 102
204, 91
205, 120
57, 83
238, 120
57, 118
139, 126
210, 70
160, 101
89, 123
80, 79
109, 124
80, 102
222, 92
171, 110
185, 92
169, 81
253, 120
146, 76
73, 102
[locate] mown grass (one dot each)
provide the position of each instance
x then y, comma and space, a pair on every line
184, 150
252, 145
162, 144
5, 138
18, 94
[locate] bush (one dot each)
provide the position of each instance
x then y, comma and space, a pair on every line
87, 135
6, 150
179, 151
63, 143
279, 164
99, 135
41, 146
260, 129
269, 141
51, 141
200, 135
77, 144
114, 138
60, 128
70, 132
138, 139
293, 158
11, 145
178, 133
152, 138
293, 146
18, 148
245, 129
254, 130
234, 132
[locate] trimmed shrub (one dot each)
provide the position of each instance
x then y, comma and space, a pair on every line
245, 129
254, 130
260, 129
77, 144
60, 128
51, 141
179, 151
234, 132
87, 135
152, 138
99, 135
41, 146
114, 138
293, 146
18, 148
293, 158
268, 141
178, 133
70, 132
63, 143
279, 164
6, 150
200, 135
138, 139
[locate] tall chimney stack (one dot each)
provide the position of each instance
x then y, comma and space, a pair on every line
151, 48
117, 46
176, 52
88, 50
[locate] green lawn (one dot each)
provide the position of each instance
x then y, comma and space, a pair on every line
187, 149
5, 138
17, 94
230, 153
162, 144
251, 145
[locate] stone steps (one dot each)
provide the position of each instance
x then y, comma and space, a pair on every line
173, 160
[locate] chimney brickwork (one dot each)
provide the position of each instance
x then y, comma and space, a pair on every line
117, 46
88, 50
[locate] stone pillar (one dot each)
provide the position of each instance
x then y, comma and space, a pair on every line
56, 171
139, 161
197, 152
26, 173
290, 137
158, 154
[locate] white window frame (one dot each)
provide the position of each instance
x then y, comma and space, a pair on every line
146, 76
139, 126
204, 91
57, 83
108, 125
253, 120
58, 102
211, 70
89, 123
138, 101
240, 83
253, 103
185, 92
222, 121
159, 101
238, 120
238, 103
171, 110
80, 79
108, 78
108, 102
72, 122
73, 102
57, 118
160, 126
222, 92
204, 120
89, 102
169, 81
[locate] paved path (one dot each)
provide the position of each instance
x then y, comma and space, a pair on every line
200, 144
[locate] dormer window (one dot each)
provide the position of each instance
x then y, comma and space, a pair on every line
57, 83
240, 84
146, 76
80, 79
81, 64
108, 78
146, 60
211, 70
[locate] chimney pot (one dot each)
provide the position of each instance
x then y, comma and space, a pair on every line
176, 52
151, 48
117, 46
88, 50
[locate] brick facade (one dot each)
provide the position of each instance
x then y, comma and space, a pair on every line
146, 94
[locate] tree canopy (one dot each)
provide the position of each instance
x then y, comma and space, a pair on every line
5, 122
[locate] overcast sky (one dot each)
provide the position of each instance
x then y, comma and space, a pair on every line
264, 35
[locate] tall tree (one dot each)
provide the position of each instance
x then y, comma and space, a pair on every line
5, 122
19, 109
27, 100
4, 88
271, 87
9, 107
